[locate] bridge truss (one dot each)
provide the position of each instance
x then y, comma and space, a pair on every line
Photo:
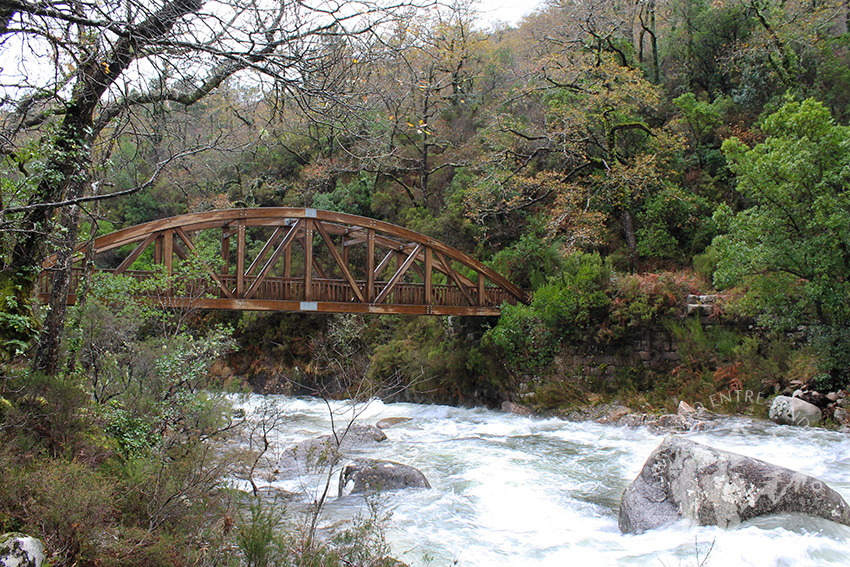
293, 259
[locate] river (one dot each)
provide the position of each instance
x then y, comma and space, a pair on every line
509, 490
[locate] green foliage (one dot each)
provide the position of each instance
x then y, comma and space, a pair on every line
675, 225
530, 262
704, 41
156, 203
577, 300
17, 323
134, 434
526, 343
558, 394
267, 537
833, 72
65, 502
48, 415
700, 116
566, 309
354, 197
256, 537
645, 301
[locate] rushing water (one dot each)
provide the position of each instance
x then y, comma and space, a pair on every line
512, 490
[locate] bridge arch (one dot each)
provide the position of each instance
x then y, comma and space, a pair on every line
302, 259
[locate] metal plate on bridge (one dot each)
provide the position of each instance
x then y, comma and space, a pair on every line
309, 306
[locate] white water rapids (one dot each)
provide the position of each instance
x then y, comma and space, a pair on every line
515, 491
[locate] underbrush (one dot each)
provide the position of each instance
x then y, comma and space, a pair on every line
129, 458
107, 485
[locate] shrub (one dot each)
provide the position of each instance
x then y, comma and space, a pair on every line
566, 309
257, 536
526, 342
66, 503
645, 300
530, 262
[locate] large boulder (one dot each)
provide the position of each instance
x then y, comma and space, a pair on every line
684, 479
322, 452
20, 550
358, 436
366, 476
794, 411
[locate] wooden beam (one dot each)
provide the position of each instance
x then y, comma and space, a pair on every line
384, 263
179, 250
455, 278
240, 260
122, 267
429, 270
446, 268
225, 252
168, 251
482, 294
308, 259
335, 253
370, 265
266, 247
284, 246
319, 270
331, 307
185, 238
157, 249
398, 274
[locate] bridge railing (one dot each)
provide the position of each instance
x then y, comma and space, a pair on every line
292, 289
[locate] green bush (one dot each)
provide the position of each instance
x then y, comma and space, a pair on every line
525, 341
257, 537
568, 309
676, 225
66, 503
643, 301
50, 416
530, 262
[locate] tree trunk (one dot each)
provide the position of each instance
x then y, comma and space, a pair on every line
82, 294
67, 170
47, 355
631, 236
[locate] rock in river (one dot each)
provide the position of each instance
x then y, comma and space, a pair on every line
322, 452
794, 411
683, 479
368, 476
388, 422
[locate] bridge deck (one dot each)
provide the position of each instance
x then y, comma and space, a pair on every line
287, 294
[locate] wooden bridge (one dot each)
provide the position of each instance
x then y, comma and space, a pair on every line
289, 259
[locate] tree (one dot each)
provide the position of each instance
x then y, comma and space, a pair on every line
422, 108
791, 248
594, 129
108, 59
